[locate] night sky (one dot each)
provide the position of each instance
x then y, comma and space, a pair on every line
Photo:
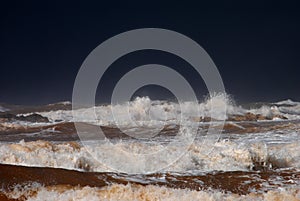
255, 45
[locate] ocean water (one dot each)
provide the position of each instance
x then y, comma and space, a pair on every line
242, 153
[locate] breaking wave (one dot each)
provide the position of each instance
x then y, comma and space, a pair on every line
226, 155
151, 113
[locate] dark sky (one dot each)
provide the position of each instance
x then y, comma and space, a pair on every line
255, 45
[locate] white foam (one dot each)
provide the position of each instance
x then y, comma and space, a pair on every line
149, 112
145, 112
287, 108
129, 192
208, 156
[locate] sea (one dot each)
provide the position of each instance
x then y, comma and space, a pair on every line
150, 150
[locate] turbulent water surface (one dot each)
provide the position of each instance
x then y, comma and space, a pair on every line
256, 157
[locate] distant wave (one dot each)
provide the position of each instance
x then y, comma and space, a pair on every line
3, 109
148, 112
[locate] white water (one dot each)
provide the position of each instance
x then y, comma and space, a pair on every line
281, 147
223, 155
145, 112
115, 192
